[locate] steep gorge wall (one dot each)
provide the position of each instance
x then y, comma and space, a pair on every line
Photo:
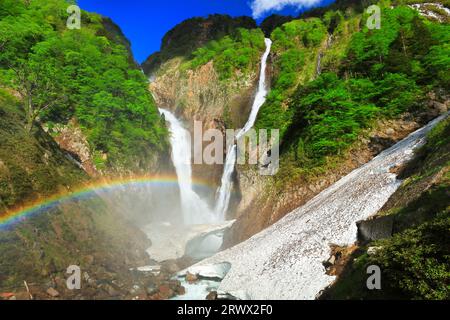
200, 96
202, 92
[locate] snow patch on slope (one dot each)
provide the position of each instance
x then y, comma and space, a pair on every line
285, 260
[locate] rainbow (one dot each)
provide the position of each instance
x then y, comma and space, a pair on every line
85, 191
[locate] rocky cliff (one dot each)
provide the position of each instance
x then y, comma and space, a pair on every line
199, 79
192, 34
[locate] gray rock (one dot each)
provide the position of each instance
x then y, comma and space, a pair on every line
152, 289
375, 229
212, 296
191, 278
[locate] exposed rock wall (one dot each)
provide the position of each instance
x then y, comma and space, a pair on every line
71, 139
199, 95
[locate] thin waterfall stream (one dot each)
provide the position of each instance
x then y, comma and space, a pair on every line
224, 192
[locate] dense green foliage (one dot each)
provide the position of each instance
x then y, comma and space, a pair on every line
296, 46
417, 261
350, 7
63, 74
382, 73
274, 21
30, 165
241, 50
195, 33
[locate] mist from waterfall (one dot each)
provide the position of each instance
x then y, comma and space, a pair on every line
194, 209
224, 192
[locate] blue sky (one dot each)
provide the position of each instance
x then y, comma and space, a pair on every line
145, 22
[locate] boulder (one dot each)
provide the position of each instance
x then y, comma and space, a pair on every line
112, 292
151, 289
170, 266
375, 229
332, 260
7, 295
181, 291
191, 278
52, 292
212, 295
165, 292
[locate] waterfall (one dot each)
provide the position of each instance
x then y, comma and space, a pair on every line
195, 210
319, 64
224, 192
321, 54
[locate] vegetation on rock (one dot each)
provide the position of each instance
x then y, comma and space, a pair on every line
63, 74
379, 74
195, 33
31, 165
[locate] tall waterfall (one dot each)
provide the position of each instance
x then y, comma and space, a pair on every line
195, 210
224, 192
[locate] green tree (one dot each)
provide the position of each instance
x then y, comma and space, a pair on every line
38, 80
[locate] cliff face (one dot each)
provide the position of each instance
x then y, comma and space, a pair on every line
199, 82
199, 94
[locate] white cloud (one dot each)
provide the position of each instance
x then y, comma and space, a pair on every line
259, 7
